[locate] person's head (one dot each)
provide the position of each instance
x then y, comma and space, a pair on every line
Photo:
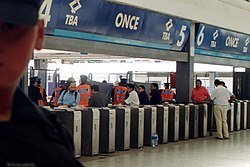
72, 87
130, 87
33, 80
141, 88
104, 81
70, 79
198, 83
21, 33
63, 84
154, 86
167, 85
223, 84
83, 79
94, 88
216, 82
38, 81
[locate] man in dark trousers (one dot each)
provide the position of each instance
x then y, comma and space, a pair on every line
29, 135
97, 98
143, 97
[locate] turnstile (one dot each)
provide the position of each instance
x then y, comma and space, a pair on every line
173, 123
237, 115
193, 121
162, 124
184, 122
150, 116
107, 130
136, 127
202, 120
122, 130
243, 115
248, 114
230, 118
90, 131
73, 122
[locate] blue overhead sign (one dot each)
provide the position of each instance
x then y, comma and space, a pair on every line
49, 12
115, 20
216, 39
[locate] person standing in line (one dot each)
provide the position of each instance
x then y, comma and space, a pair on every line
200, 93
29, 135
69, 97
34, 91
133, 99
232, 96
42, 91
167, 94
143, 97
97, 98
220, 97
155, 95
84, 90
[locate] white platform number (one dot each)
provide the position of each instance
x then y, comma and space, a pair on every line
182, 35
44, 12
200, 37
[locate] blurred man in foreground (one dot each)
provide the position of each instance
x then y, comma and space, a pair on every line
29, 135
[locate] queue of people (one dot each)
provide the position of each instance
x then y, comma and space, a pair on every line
125, 94
220, 98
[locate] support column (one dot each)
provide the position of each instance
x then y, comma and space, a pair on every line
212, 76
241, 82
185, 72
41, 70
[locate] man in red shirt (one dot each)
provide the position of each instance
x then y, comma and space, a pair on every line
199, 93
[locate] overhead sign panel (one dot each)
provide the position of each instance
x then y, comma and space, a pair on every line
49, 13
125, 21
216, 39
116, 20
79, 15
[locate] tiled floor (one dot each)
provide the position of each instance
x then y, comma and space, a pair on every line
202, 152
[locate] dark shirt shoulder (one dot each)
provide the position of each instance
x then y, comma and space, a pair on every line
155, 97
143, 97
35, 135
34, 94
98, 100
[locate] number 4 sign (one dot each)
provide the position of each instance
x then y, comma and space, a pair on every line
44, 12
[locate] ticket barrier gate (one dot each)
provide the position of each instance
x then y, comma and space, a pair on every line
162, 124
107, 130
136, 127
173, 123
243, 115
230, 118
202, 120
122, 130
90, 131
248, 114
237, 115
150, 116
184, 122
193, 121
211, 123
73, 122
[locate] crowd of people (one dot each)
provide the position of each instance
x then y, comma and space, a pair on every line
125, 94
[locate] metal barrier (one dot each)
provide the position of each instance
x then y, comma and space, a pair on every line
162, 124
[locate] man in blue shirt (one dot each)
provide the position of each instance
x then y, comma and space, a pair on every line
69, 97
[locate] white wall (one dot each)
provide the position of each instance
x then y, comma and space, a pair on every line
229, 14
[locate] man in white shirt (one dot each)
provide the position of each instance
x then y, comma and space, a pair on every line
220, 97
133, 99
